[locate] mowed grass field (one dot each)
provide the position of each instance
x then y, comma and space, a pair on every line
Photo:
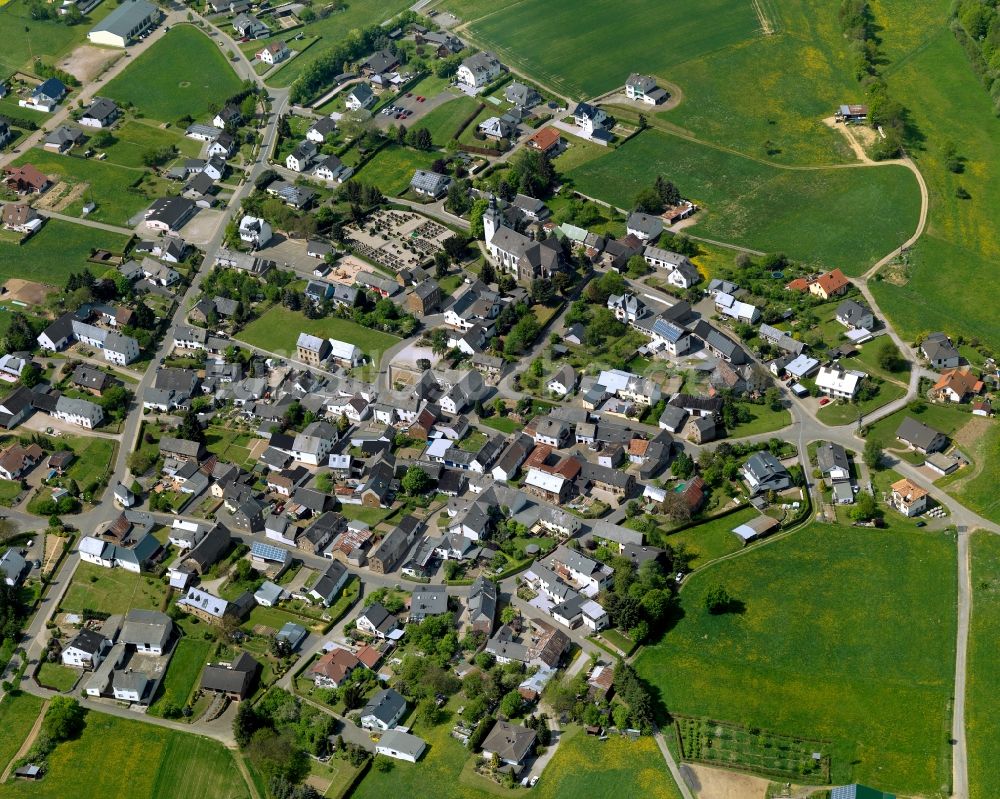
928, 72
137, 136
617, 36
184, 73
982, 701
111, 590
120, 757
847, 218
278, 329
444, 120
713, 539
392, 168
58, 249
17, 716
847, 635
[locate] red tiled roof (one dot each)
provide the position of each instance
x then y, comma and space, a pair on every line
832, 281
545, 139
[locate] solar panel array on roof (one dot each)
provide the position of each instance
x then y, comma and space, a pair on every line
268, 552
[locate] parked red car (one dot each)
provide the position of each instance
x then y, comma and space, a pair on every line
421, 99
824, 401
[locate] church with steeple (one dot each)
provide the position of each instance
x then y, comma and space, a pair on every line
517, 254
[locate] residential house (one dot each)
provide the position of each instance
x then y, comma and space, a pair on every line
334, 667
478, 70
919, 436
940, 352
82, 413
383, 711
511, 743
956, 385
299, 159
908, 498
400, 746
312, 350
563, 382
234, 680
13, 568
763, 472
521, 95
547, 140
102, 113
326, 588
273, 53
482, 605
26, 179
855, 316
46, 96
86, 650
375, 620
21, 218
249, 27
361, 96
255, 232
321, 130
643, 89
830, 284
644, 227
16, 460
429, 184
63, 139
836, 382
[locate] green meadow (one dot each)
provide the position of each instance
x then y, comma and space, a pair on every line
847, 635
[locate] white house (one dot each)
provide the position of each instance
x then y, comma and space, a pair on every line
86, 650
274, 53
255, 231
728, 305
345, 354
478, 70
400, 745
836, 382
643, 89
302, 156
361, 96
82, 413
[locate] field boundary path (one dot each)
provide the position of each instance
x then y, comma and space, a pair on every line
28, 741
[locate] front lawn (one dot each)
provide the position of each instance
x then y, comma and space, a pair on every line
184, 73
10, 490
844, 633
840, 412
278, 329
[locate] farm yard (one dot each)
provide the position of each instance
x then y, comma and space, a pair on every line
58, 249
184, 73
825, 217
162, 764
279, 328
812, 656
